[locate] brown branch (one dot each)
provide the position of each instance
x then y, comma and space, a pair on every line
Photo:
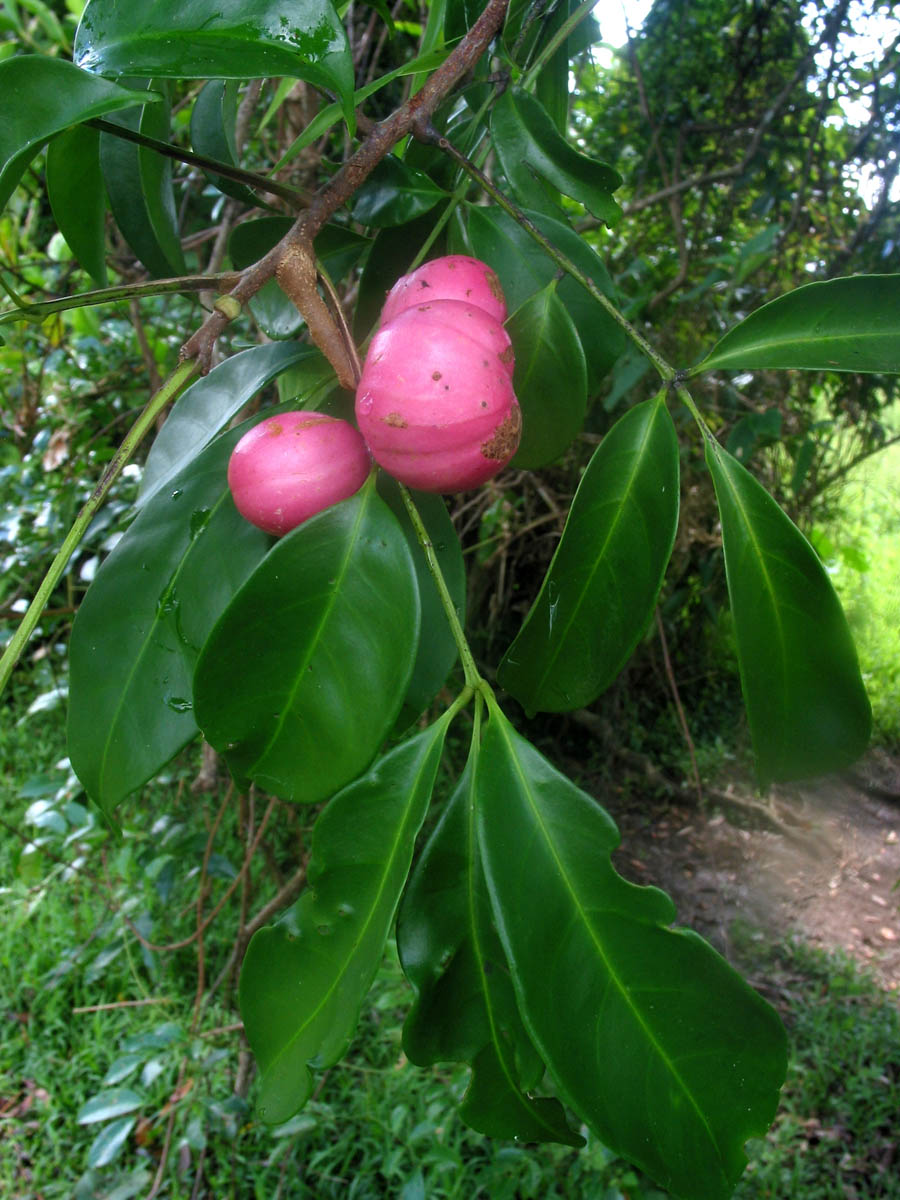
411, 117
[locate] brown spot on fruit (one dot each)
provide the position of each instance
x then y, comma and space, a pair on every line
507, 355
436, 375
505, 440
494, 284
395, 421
274, 429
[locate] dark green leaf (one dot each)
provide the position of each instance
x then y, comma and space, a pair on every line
676, 1061
391, 254
212, 134
77, 197
41, 97
149, 611
550, 378
121, 163
218, 39
528, 144
325, 633
465, 1009
303, 980
156, 185
805, 699
206, 407
524, 269
599, 592
394, 194
114, 1102
841, 325
437, 650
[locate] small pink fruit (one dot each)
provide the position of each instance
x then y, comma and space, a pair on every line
456, 277
435, 402
292, 466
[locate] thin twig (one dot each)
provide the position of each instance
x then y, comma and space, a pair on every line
682, 719
93, 1008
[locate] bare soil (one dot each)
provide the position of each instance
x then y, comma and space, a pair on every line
819, 861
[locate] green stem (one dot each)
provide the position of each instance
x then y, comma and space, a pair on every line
132, 439
36, 311
688, 401
470, 671
574, 19
666, 372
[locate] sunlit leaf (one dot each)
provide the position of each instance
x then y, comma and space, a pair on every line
651, 1037
848, 324
109, 1143
114, 1102
304, 979
806, 703
325, 632
601, 587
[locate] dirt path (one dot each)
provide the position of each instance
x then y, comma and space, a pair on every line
820, 861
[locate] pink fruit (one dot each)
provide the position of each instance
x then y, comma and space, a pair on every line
435, 402
292, 466
456, 277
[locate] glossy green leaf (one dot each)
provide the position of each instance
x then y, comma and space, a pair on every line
212, 135
338, 250
651, 1037
601, 587
304, 979
206, 407
848, 324
110, 1142
121, 162
524, 269
529, 146
393, 194
114, 1102
392, 251
550, 378
41, 97
437, 650
218, 39
325, 631
465, 1008
149, 611
77, 196
156, 185
806, 703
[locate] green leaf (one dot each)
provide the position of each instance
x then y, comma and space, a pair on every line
304, 979
122, 164
465, 1008
109, 1142
325, 632
806, 703
528, 144
524, 269
437, 650
77, 197
156, 185
219, 39
677, 1061
848, 324
212, 135
206, 407
394, 193
149, 611
41, 97
114, 1102
550, 378
601, 587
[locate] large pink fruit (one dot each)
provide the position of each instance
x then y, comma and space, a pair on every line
293, 465
456, 277
435, 402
